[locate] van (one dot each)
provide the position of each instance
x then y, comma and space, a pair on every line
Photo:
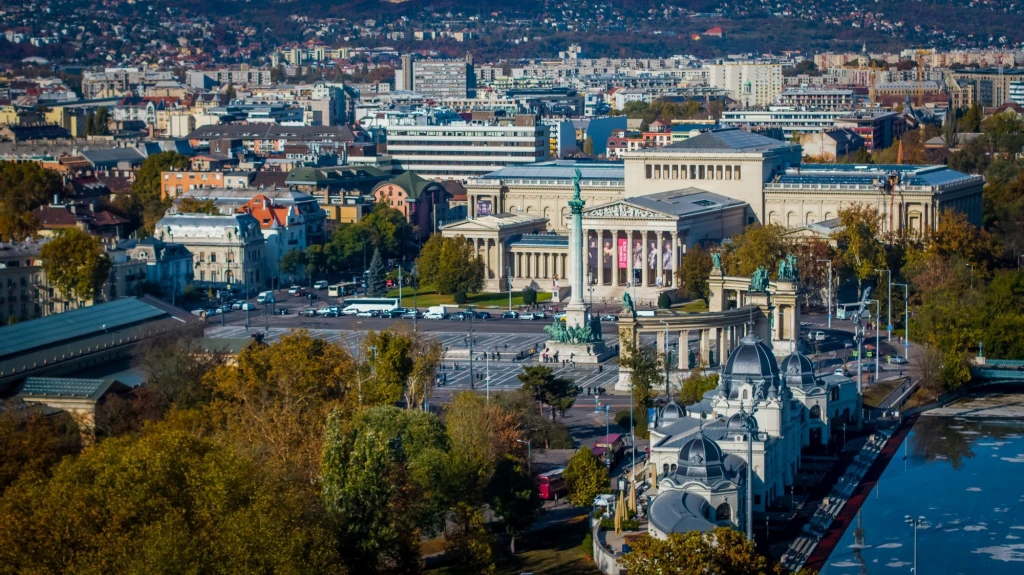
322, 284
265, 297
440, 310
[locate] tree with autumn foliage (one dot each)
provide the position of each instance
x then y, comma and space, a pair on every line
278, 396
757, 246
724, 551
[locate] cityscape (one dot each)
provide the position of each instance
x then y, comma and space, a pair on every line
607, 287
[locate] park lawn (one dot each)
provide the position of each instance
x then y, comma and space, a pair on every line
428, 297
694, 306
874, 394
552, 550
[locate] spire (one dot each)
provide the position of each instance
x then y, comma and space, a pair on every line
899, 153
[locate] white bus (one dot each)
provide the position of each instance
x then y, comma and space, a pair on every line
382, 304
341, 290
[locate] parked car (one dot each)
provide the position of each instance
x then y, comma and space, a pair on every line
308, 313
369, 313
246, 306
539, 315
295, 290
328, 310
281, 311
433, 315
225, 308
609, 317
528, 316
560, 316
322, 284
213, 311
412, 313
459, 316
897, 359
483, 315
510, 315
848, 344
840, 371
236, 305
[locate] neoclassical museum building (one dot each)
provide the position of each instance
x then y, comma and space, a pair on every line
643, 213
699, 453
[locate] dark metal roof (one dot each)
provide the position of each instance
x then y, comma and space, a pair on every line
57, 328
728, 139
81, 388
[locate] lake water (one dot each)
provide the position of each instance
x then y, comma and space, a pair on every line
966, 477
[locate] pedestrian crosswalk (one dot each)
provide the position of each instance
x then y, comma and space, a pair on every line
499, 374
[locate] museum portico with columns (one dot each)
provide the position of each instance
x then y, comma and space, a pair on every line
642, 214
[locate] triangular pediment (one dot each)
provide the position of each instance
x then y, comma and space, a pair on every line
623, 209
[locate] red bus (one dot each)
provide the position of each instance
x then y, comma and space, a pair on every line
551, 484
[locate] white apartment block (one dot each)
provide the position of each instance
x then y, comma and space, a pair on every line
464, 151
752, 85
790, 120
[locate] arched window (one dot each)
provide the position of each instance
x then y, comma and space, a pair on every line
744, 394
815, 412
664, 469
723, 513
673, 468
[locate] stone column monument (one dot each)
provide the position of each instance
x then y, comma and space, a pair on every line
578, 338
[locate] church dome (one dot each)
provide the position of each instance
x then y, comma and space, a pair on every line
738, 422
701, 458
752, 361
797, 370
672, 412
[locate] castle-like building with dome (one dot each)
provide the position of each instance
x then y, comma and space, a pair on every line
700, 452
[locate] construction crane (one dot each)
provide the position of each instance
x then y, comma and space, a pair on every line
889, 186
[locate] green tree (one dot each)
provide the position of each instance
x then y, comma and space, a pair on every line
316, 261
146, 205
724, 551
75, 264
529, 295
160, 502
382, 481
292, 261
468, 543
664, 301
971, 120
692, 276
231, 93
389, 363
513, 497
24, 186
860, 247
645, 371
696, 385
586, 477
194, 206
588, 147
557, 392
457, 269
376, 277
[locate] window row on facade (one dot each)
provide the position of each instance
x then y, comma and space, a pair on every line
692, 172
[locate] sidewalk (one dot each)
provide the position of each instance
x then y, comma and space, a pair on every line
804, 545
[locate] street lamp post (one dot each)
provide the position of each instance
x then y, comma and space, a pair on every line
888, 273
829, 262
607, 446
915, 522
508, 276
529, 455
906, 320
